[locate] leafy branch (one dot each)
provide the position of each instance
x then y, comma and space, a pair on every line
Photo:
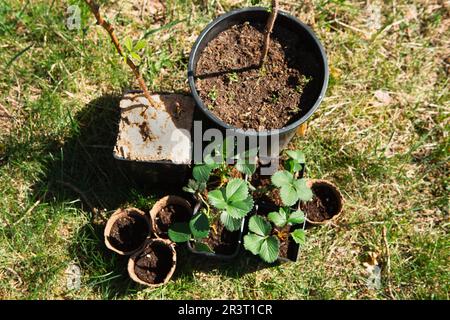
110, 29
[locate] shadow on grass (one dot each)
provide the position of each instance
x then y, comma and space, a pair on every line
84, 168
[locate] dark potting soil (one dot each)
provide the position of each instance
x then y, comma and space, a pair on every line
170, 214
323, 206
128, 233
154, 263
239, 92
222, 241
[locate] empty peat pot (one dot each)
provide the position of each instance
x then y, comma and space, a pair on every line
167, 211
126, 231
326, 204
154, 265
312, 61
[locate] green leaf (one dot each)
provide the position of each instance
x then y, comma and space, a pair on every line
296, 217
269, 249
141, 44
299, 236
282, 178
297, 155
199, 226
246, 168
253, 242
209, 161
201, 172
304, 193
246, 162
230, 223
180, 232
292, 166
135, 56
288, 195
279, 218
239, 209
259, 225
202, 247
236, 190
217, 199
191, 186
128, 43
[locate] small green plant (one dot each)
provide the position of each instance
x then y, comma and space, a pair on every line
231, 198
196, 229
213, 94
233, 77
292, 189
264, 238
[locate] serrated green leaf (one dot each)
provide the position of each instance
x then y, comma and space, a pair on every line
217, 199
297, 155
128, 43
247, 169
199, 226
236, 190
141, 44
279, 218
230, 223
269, 250
201, 172
299, 236
239, 209
252, 243
288, 195
304, 193
180, 232
259, 225
202, 247
296, 217
292, 166
209, 161
282, 178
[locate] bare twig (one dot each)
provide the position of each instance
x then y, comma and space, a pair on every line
268, 31
110, 29
388, 262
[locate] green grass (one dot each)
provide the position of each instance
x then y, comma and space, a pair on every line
61, 89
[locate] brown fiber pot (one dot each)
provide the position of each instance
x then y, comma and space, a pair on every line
131, 263
160, 204
119, 213
340, 199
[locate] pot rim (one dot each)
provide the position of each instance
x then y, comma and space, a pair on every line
163, 202
338, 194
131, 264
119, 213
214, 118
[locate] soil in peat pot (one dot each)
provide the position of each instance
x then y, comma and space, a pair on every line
154, 263
220, 240
128, 233
169, 215
323, 206
238, 91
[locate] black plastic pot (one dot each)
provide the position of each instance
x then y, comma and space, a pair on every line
317, 69
217, 255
